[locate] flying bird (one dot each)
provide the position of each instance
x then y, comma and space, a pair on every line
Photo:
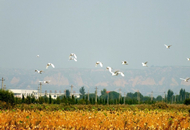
72, 58
39, 71
186, 80
188, 59
144, 64
116, 73
109, 68
38, 56
167, 46
73, 55
98, 63
49, 64
124, 62
46, 81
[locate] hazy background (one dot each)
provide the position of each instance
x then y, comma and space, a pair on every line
108, 31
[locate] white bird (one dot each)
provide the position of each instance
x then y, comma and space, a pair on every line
167, 46
144, 64
124, 62
117, 72
46, 81
72, 58
73, 55
100, 63
121, 73
38, 56
186, 80
188, 59
109, 68
48, 64
39, 71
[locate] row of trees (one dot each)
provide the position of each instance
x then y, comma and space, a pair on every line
106, 97
167, 97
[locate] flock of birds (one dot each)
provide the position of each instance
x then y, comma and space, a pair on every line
73, 56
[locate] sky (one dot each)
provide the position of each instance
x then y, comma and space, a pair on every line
109, 31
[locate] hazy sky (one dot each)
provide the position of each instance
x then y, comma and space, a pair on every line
101, 30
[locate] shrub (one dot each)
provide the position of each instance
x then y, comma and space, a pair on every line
7, 96
160, 105
187, 101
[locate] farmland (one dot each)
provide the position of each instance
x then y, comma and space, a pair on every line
96, 117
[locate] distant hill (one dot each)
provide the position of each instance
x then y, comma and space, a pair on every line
156, 79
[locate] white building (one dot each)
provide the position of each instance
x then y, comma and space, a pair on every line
76, 95
24, 92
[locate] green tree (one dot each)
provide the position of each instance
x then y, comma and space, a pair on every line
82, 91
23, 99
58, 100
7, 96
50, 99
18, 100
159, 98
28, 100
187, 101
169, 95
182, 95
67, 93
45, 99
41, 100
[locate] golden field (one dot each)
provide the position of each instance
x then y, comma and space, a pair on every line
83, 119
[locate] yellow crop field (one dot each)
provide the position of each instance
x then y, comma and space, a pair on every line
138, 119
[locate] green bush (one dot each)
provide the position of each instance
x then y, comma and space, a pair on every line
187, 101
7, 96
160, 105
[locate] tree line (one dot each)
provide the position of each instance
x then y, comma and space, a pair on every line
105, 98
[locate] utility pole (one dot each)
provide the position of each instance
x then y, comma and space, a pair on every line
108, 99
124, 98
151, 96
181, 98
119, 95
46, 93
164, 96
96, 95
88, 94
175, 97
138, 96
59, 92
38, 91
71, 90
65, 92
2, 82
40, 88
172, 100
56, 93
